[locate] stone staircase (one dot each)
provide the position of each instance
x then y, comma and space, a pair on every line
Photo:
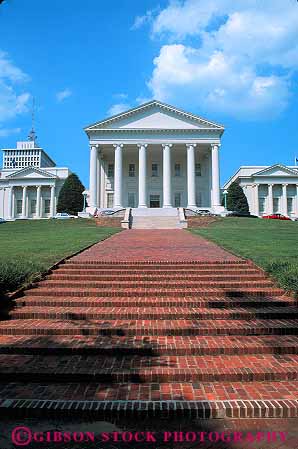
158, 218
210, 339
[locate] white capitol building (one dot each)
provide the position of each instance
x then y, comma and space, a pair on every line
154, 156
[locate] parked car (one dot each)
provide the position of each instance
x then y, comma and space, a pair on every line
241, 214
203, 212
106, 212
2, 220
277, 217
64, 215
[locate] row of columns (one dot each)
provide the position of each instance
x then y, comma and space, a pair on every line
11, 201
167, 176
284, 199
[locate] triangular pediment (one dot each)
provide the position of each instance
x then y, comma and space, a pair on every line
277, 170
31, 173
155, 115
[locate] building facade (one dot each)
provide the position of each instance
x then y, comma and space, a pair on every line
154, 156
29, 182
269, 189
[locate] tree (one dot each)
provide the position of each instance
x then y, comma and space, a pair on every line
236, 199
70, 196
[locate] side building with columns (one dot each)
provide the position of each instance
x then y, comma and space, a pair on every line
154, 156
269, 189
29, 182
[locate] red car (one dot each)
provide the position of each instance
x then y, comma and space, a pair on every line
277, 217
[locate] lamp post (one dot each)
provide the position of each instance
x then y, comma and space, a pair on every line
225, 193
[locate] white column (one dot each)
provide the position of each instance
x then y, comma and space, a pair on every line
24, 202
191, 175
118, 175
215, 175
284, 199
142, 175
10, 198
52, 202
296, 201
93, 176
270, 199
167, 181
38, 197
102, 182
98, 173
256, 199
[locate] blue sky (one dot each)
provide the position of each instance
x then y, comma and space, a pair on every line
231, 62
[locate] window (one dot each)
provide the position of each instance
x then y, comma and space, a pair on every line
132, 170
110, 170
110, 200
131, 199
154, 170
47, 206
177, 199
177, 169
290, 204
19, 206
33, 206
276, 205
198, 170
261, 205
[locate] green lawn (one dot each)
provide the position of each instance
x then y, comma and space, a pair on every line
32, 246
271, 244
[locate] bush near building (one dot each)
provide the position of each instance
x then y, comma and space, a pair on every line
70, 198
236, 199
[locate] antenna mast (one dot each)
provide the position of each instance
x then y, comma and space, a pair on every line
32, 135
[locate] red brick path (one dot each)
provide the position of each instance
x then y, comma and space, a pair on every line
162, 320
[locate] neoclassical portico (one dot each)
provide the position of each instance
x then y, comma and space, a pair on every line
154, 156
269, 189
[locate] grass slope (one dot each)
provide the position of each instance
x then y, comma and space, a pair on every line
32, 246
271, 244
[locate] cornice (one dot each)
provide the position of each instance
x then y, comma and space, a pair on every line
154, 130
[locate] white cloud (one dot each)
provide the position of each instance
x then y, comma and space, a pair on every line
4, 132
63, 94
118, 108
13, 100
240, 57
145, 19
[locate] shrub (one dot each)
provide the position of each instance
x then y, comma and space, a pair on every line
70, 196
236, 199
13, 274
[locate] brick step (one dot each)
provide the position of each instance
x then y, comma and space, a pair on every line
167, 345
154, 263
136, 368
155, 278
149, 327
158, 284
190, 400
147, 313
63, 270
147, 292
198, 301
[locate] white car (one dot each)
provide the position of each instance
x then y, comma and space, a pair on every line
64, 216
2, 220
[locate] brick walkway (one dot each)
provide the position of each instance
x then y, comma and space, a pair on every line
153, 322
